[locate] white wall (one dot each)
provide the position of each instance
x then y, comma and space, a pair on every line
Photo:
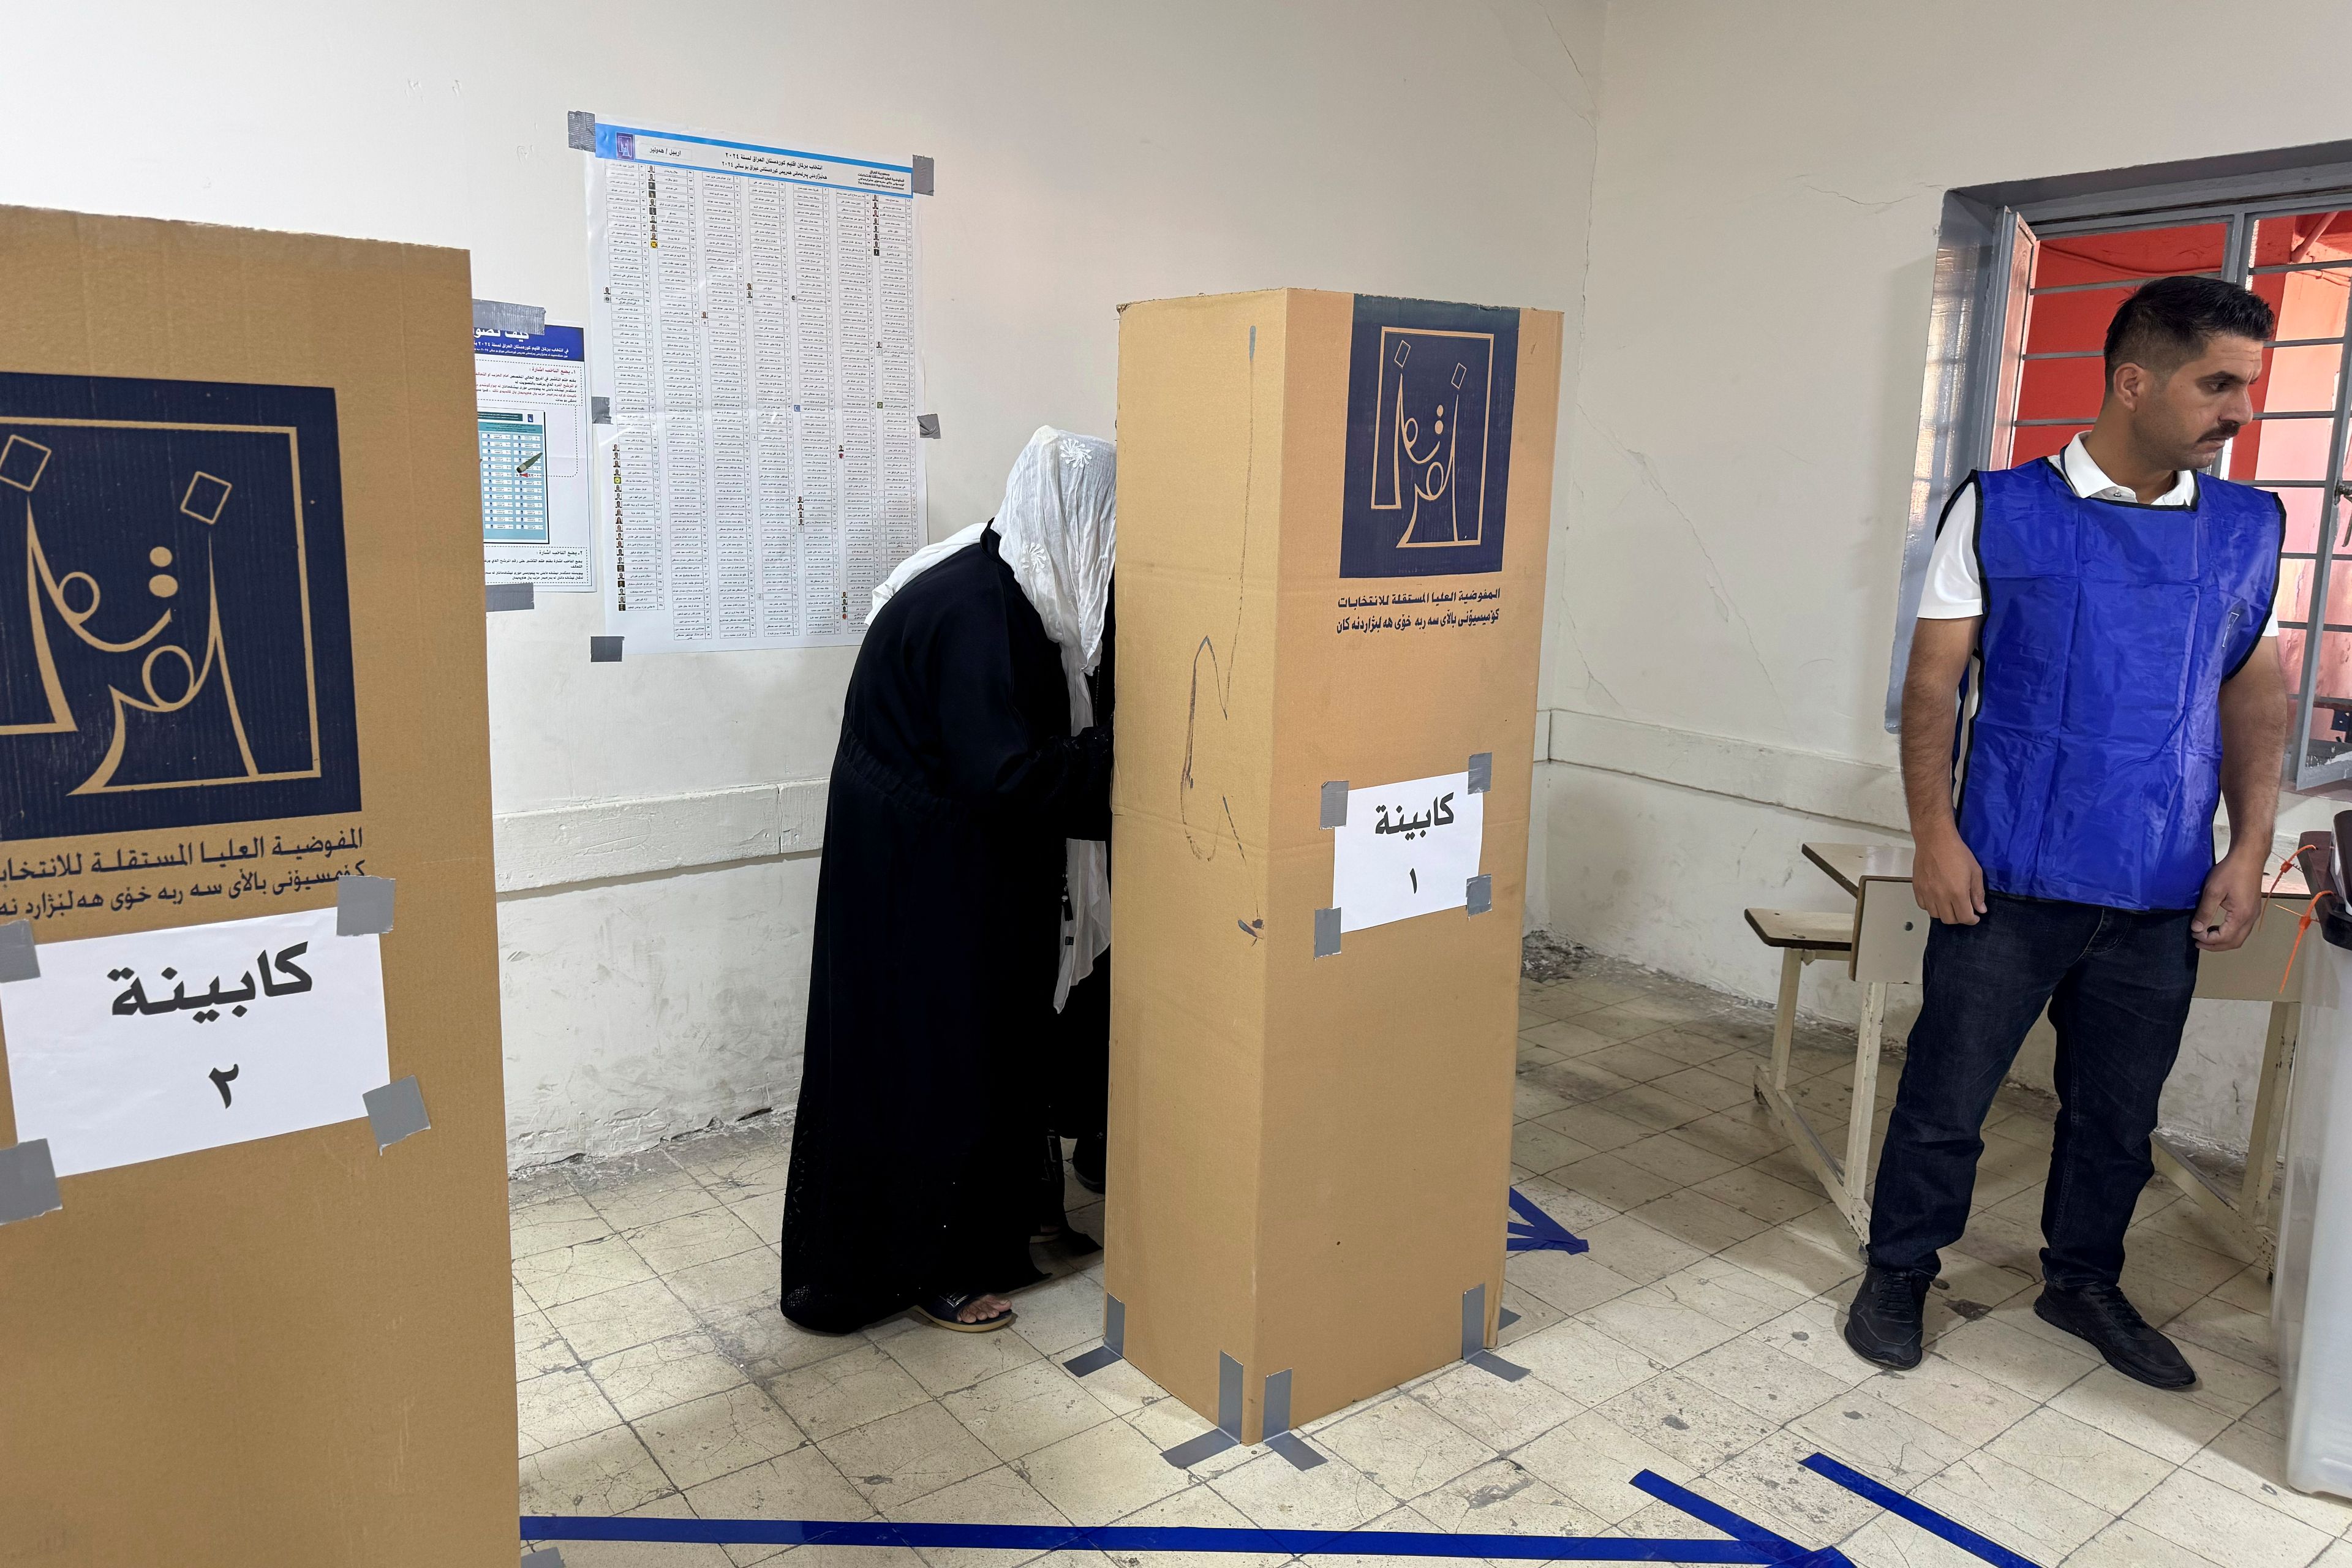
655, 957
1765, 204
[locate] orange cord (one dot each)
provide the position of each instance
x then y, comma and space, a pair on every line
2301, 926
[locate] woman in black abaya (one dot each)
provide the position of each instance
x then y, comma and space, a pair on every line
939, 908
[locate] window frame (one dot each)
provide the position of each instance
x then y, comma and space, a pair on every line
1976, 321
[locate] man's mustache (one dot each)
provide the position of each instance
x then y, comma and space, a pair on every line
2222, 432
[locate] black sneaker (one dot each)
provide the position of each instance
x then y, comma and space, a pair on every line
1884, 1327
2105, 1316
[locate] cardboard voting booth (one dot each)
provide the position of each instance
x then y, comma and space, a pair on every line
254, 1286
1333, 513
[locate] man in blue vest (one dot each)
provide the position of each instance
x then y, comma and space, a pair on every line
2117, 602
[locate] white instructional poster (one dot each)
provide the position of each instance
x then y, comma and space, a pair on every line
531, 414
1406, 849
139, 1047
753, 340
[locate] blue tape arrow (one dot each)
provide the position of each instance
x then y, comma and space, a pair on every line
1536, 1231
1926, 1517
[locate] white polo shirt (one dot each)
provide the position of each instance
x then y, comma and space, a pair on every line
1954, 591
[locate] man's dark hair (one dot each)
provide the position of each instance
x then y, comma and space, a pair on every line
2168, 322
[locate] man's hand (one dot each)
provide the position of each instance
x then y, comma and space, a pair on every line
2232, 903
1947, 881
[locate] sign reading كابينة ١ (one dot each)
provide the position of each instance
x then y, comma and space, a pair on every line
1406, 849
149, 1044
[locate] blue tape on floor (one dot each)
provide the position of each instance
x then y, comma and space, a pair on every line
1776, 1548
1153, 1538
1926, 1517
1536, 1231
1750, 1542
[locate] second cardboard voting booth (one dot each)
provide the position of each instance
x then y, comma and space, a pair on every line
1333, 514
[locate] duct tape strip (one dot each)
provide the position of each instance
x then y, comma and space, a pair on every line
545, 1557
19, 959
363, 906
395, 1111
925, 176
1092, 1362
1474, 1337
1747, 1543
1278, 1435
603, 650
1327, 933
580, 129
1505, 1318
1228, 1431
516, 320
1748, 1533
926, 427
1926, 1517
28, 1182
508, 596
600, 410
1534, 1231
1478, 894
1482, 772
1335, 804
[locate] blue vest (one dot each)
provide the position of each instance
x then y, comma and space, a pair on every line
2093, 766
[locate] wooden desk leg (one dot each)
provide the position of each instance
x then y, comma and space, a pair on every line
2270, 1105
1864, 1109
1784, 1019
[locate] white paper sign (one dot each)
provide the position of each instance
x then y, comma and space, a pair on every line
1406, 849
157, 1043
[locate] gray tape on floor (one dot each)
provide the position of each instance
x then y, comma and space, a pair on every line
28, 1182
363, 906
545, 1557
395, 1111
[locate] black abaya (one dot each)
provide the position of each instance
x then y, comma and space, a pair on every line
938, 923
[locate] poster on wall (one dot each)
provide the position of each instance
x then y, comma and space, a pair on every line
530, 397
754, 342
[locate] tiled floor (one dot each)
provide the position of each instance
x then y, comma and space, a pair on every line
1697, 1339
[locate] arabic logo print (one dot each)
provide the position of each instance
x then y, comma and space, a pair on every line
1431, 391
177, 649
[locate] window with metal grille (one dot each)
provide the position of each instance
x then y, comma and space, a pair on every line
2024, 295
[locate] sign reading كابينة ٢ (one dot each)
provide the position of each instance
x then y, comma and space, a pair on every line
1406, 849
155, 1043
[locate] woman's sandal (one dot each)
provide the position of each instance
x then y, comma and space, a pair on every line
941, 1308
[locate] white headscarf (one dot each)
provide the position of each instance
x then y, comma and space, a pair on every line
1058, 530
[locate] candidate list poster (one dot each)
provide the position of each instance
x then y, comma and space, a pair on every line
531, 418
755, 337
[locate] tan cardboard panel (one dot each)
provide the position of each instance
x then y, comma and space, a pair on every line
294, 1350
1314, 1152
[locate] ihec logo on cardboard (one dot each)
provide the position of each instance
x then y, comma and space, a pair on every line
1430, 388
174, 626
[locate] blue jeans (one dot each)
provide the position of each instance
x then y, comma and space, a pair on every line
2117, 984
